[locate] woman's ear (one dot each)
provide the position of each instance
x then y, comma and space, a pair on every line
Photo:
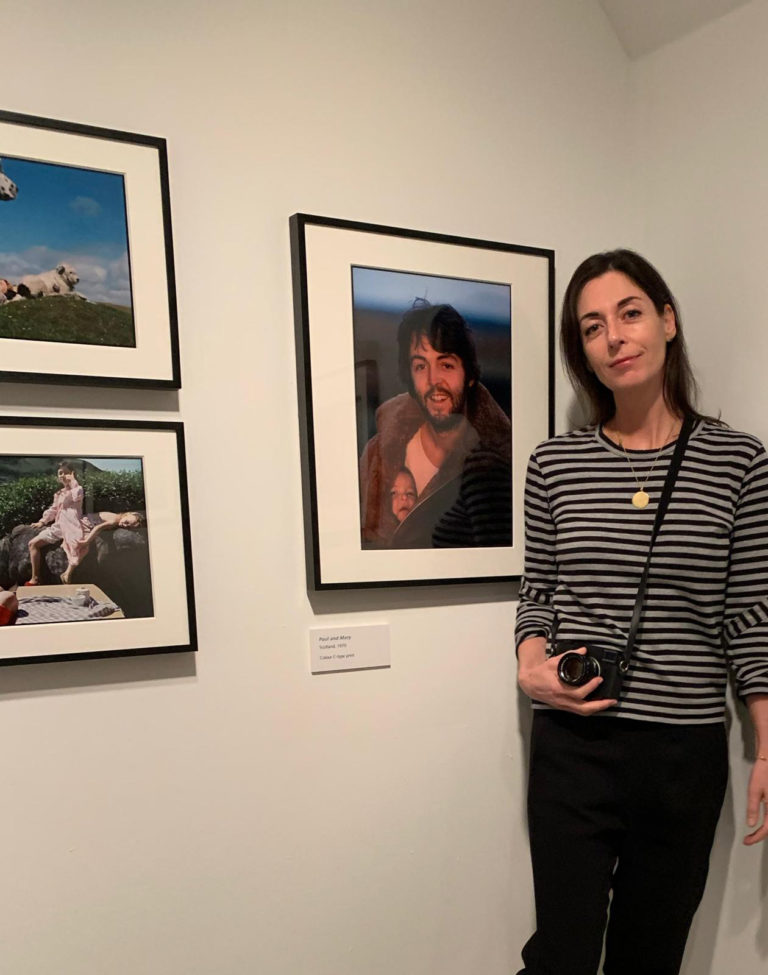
670, 323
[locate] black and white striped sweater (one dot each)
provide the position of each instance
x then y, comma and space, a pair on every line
706, 606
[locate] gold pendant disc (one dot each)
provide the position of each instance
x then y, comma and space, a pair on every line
640, 499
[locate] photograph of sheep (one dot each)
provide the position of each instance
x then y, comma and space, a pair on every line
64, 264
87, 281
94, 539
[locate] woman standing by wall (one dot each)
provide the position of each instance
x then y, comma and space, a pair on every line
625, 792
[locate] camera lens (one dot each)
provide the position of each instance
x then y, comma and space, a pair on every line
576, 669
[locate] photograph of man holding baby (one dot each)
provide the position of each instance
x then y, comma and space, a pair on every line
433, 399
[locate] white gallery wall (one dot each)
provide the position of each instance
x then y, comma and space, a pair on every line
701, 147
230, 813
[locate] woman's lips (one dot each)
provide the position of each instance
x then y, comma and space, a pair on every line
625, 360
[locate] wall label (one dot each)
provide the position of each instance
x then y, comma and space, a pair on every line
349, 647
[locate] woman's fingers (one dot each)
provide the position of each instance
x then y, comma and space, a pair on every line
586, 689
757, 803
541, 683
575, 698
592, 707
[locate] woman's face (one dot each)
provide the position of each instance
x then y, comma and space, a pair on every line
129, 520
623, 336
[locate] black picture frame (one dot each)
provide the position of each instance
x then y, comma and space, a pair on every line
126, 333
329, 256
143, 571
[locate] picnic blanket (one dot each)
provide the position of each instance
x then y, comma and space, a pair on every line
62, 609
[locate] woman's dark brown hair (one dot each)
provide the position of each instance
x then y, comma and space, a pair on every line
680, 389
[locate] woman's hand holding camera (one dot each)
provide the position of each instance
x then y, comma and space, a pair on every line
537, 677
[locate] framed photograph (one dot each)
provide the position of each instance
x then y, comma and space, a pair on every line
87, 287
95, 556
425, 380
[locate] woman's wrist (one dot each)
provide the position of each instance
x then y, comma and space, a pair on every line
758, 710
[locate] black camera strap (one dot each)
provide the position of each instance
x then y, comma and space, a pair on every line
666, 493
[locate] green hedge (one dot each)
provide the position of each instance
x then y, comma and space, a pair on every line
23, 501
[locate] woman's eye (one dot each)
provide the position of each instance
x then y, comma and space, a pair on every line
590, 330
633, 312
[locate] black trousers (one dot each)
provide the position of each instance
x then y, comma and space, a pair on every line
627, 808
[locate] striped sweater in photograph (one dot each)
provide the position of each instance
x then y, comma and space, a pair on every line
706, 605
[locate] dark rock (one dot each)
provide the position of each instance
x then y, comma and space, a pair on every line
117, 562
5, 546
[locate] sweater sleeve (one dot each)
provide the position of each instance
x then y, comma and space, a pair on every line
49, 515
745, 623
535, 613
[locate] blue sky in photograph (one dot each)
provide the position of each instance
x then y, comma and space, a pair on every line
115, 463
63, 214
395, 291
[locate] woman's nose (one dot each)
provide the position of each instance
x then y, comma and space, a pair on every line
613, 333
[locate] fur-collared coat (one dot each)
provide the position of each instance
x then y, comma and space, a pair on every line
467, 502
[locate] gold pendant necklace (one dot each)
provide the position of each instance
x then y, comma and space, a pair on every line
641, 498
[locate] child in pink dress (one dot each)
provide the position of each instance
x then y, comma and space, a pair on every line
62, 522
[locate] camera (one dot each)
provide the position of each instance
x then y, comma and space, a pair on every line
577, 669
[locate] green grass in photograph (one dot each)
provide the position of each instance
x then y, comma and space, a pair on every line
61, 319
